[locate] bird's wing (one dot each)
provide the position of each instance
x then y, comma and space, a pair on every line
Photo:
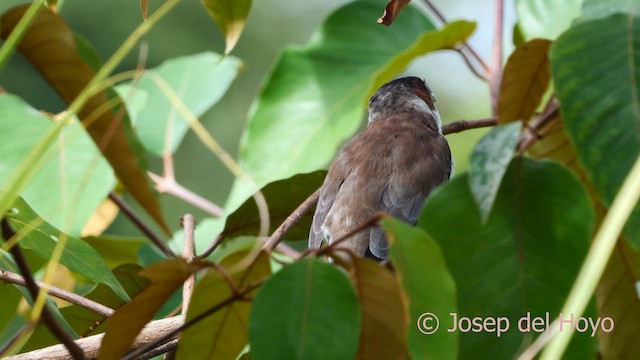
412, 181
326, 199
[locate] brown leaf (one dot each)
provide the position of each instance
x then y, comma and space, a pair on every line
127, 322
617, 298
385, 318
230, 15
144, 8
392, 10
524, 82
50, 46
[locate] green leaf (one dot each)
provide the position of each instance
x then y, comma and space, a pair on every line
546, 19
283, 197
523, 260
198, 80
489, 161
307, 310
593, 9
75, 180
127, 322
595, 68
50, 45
42, 238
384, 311
230, 15
316, 96
617, 297
223, 334
429, 286
524, 81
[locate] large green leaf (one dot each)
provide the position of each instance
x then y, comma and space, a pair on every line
76, 178
223, 334
524, 259
198, 80
307, 310
546, 19
42, 238
50, 45
430, 289
596, 66
316, 95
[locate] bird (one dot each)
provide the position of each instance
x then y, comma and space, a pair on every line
391, 167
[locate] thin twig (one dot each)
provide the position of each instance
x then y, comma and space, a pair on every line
214, 245
462, 125
188, 223
291, 221
144, 228
465, 56
334, 243
76, 299
170, 186
466, 45
495, 73
531, 133
34, 290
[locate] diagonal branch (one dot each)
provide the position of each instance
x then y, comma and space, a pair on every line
34, 290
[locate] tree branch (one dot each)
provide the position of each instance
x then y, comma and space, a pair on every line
144, 228
291, 221
495, 74
34, 290
462, 125
76, 299
168, 185
91, 344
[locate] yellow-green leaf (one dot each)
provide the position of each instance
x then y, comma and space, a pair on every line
50, 45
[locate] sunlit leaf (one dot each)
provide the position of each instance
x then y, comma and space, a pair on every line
50, 46
384, 311
75, 178
430, 290
225, 333
127, 322
595, 67
316, 96
198, 80
307, 310
41, 238
101, 219
230, 15
489, 162
546, 19
524, 259
524, 81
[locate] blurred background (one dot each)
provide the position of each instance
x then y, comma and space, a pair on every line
272, 25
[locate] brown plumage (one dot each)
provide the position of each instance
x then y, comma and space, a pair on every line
391, 167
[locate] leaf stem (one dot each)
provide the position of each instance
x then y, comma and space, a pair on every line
597, 258
495, 73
